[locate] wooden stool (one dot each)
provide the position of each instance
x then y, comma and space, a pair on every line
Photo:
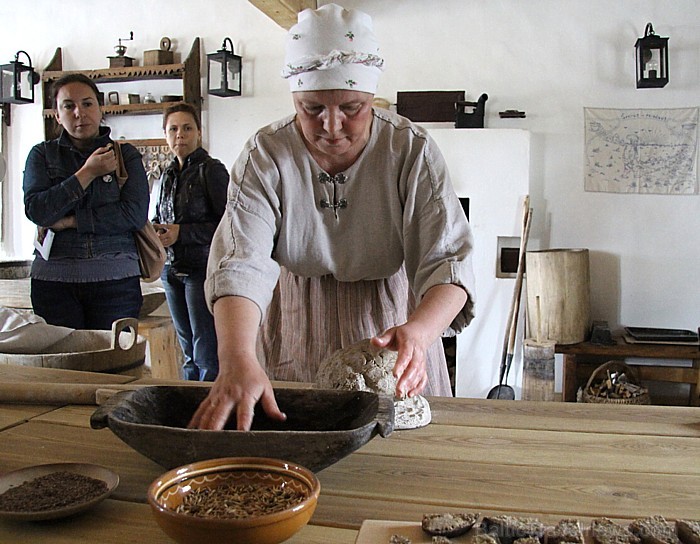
581, 359
163, 349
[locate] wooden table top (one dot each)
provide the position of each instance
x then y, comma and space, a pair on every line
550, 460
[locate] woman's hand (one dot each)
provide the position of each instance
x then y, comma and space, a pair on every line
242, 381
168, 234
102, 161
410, 367
237, 390
438, 307
67, 222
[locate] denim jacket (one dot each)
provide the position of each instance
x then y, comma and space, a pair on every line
200, 200
106, 216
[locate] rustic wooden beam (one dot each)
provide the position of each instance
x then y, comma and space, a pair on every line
283, 12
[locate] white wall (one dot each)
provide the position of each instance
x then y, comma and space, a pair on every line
491, 168
550, 58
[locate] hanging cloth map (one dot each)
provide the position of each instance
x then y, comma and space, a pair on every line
644, 151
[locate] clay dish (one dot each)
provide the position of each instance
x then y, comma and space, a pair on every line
27, 474
172, 489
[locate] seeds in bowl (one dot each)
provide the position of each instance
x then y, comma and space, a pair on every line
237, 501
54, 490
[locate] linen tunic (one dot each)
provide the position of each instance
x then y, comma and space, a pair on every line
351, 252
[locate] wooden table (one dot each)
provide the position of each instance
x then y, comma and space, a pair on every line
163, 352
550, 460
583, 358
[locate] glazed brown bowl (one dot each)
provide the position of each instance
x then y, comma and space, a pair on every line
322, 425
262, 517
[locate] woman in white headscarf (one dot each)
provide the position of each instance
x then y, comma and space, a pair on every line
341, 224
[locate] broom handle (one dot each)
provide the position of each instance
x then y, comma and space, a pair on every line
509, 323
519, 282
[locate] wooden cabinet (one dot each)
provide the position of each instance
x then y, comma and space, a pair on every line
188, 72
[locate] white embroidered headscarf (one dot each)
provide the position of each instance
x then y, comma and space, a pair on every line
332, 48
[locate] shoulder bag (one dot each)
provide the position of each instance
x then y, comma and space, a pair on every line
150, 249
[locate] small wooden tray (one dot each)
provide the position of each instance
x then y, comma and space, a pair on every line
379, 531
662, 335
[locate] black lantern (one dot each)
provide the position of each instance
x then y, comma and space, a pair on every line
224, 71
652, 60
17, 81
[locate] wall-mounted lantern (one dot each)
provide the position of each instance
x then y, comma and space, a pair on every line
652, 60
16, 84
224, 71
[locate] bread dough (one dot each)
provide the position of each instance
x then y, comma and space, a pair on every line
364, 367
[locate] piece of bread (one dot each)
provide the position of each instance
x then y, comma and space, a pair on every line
483, 538
606, 531
399, 539
566, 531
440, 540
508, 529
654, 530
449, 525
528, 540
688, 531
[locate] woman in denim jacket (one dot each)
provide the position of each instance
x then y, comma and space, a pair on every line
191, 203
90, 276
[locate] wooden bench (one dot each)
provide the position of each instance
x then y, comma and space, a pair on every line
581, 359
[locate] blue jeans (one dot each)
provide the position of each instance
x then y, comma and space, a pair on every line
89, 305
194, 323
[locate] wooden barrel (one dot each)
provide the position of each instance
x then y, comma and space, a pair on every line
116, 352
558, 291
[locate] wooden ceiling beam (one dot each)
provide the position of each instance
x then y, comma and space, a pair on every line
283, 12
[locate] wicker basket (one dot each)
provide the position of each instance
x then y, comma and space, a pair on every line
642, 398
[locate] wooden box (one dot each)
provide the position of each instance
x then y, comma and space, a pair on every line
157, 56
428, 106
120, 62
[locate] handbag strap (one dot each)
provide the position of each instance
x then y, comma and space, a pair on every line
203, 179
121, 172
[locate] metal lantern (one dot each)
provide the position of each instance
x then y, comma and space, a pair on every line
652, 60
17, 81
224, 71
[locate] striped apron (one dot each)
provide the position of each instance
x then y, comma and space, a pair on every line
310, 318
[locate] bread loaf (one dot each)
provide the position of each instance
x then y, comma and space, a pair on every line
688, 531
566, 531
605, 531
507, 529
654, 530
528, 540
449, 525
483, 538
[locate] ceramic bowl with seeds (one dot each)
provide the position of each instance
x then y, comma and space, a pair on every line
235, 499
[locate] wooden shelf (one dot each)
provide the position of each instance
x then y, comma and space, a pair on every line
188, 72
127, 109
130, 73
